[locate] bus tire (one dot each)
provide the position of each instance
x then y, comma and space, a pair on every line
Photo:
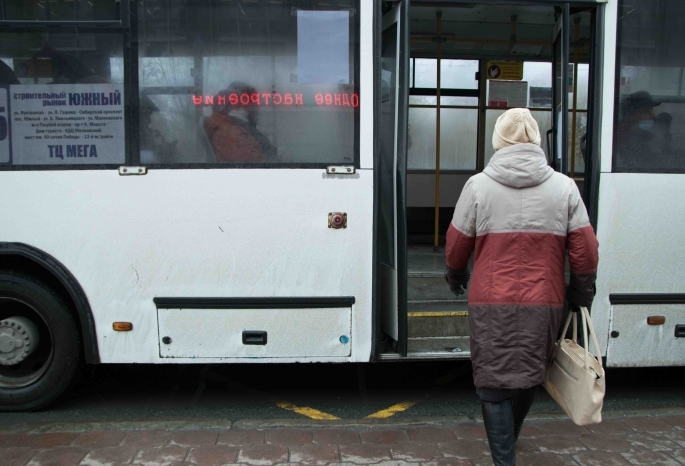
52, 367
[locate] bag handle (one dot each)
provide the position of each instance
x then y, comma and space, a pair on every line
594, 336
575, 326
571, 315
586, 321
586, 345
574, 316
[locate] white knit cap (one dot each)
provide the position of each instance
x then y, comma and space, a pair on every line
515, 126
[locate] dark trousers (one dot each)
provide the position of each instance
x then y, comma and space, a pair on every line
503, 413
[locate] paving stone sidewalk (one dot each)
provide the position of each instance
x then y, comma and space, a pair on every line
652, 440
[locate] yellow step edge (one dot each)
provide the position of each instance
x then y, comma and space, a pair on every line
438, 314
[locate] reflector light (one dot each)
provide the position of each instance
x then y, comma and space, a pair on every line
122, 326
656, 320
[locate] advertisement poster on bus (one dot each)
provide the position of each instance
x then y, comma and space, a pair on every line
66, 124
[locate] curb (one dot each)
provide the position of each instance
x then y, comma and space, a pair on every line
398, 423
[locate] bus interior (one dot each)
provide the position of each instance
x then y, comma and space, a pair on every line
467, 63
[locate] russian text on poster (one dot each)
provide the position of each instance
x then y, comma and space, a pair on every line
505, 70
67, 124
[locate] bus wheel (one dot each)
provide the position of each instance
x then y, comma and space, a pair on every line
40, 349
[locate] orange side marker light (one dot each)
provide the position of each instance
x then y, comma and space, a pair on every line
656, 320
122, 326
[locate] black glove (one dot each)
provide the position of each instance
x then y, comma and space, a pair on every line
580, 297
458, 279
573, 307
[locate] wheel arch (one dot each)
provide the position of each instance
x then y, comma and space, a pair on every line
22, 257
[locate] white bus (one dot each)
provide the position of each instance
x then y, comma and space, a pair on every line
228, 181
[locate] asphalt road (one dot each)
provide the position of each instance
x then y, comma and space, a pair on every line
114, 393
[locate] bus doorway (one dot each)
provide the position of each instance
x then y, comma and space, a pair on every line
467, 64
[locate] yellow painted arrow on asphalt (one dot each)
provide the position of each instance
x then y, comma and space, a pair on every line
306, 411
391, 411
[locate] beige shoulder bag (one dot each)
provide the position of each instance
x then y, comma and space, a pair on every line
575, 378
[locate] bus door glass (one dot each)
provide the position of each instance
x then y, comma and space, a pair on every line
560, 85
392, 166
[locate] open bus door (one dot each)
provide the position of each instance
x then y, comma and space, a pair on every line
392, 232
560, 85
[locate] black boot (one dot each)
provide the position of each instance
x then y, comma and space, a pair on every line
499, 425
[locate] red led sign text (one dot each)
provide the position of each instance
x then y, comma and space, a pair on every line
332, 100
337, 100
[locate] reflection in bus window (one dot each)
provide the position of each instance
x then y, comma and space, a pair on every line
246, 83
650, 118
232, 131
62, 57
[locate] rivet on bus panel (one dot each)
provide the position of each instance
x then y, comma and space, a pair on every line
122, 326
656, 320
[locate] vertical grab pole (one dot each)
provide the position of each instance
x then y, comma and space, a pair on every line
576, 38
438, 42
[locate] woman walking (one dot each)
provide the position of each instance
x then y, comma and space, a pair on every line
520, 216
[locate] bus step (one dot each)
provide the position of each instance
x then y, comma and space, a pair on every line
424, 286
448, 347
446, 318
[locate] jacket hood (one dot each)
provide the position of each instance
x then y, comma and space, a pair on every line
519, 166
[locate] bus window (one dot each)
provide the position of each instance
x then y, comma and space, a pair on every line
649, 132
261, 83
458, 137
538, 79
458, 74
425, 71
61, 95
538, 76
458, 114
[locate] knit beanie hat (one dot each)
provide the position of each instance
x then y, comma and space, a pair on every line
515, 126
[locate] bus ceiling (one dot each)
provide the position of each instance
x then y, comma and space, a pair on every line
486, 31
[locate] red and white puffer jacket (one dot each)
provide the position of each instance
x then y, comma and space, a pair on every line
521, 217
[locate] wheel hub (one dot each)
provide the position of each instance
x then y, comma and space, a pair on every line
19, 337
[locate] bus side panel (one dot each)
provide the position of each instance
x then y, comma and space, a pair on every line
642, 250
641, 344
197, 233
267, 332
